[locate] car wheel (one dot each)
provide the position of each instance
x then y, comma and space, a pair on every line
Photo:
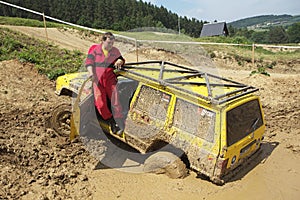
60, 119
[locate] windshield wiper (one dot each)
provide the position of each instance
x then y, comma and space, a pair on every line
252, 128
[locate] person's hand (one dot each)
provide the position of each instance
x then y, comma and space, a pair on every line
91, 76
90, 72
119, 64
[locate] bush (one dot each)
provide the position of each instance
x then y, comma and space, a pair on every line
261, 69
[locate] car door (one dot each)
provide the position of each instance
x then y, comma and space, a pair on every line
147, 116
195, 131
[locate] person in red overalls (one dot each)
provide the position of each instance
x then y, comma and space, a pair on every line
101, 61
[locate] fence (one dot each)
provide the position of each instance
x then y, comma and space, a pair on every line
137, 42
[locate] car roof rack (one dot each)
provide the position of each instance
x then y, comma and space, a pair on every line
215, 89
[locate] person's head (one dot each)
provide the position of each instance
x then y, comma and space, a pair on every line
108, 40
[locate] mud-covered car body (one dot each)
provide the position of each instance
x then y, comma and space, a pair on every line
216, 123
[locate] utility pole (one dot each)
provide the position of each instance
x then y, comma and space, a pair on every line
179, 25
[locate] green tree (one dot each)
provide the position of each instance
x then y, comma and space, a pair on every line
277, 35
231, 30
159, 25
259, 36
294, 33
244, 32
86, 14
100, 15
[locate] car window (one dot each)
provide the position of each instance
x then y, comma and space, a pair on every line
153, 102
243, 120
194, 119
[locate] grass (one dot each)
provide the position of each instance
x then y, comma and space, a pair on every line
48, 59
15, 21
159, 36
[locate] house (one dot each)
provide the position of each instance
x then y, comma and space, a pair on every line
214, 29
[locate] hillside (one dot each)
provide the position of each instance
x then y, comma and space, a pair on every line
265, 21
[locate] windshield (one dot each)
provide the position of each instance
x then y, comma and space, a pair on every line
243, 120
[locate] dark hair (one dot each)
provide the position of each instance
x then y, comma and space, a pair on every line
108, 35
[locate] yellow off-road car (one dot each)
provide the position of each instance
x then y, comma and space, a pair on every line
179, 116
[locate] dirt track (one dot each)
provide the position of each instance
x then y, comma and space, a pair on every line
38, 164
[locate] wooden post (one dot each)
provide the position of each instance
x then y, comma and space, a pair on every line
44, 19
137, 51
253, 59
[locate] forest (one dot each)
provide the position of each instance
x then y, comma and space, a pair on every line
260, 20
131, 15
121, 15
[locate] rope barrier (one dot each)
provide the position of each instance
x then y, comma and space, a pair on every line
153, 41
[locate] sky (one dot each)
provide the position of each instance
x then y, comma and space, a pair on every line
230, 10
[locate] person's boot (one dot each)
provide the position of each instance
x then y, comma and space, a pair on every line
121, 126
113, 126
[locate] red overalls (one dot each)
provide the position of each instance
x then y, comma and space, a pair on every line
105, 80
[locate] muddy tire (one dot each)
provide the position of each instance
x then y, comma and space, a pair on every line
166, 163
60, 119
